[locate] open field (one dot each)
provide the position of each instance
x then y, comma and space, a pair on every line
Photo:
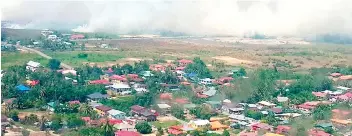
296, 57
20, 58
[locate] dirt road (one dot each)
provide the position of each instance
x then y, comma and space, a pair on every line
65, 66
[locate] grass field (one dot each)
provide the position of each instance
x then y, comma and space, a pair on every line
20, 58
165, 124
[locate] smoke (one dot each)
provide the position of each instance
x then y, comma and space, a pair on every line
201, 17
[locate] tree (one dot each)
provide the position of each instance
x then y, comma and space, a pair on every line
56, 123
160, 131
14, 115
198, 67
226, 133
127, 69
74, 122
85, 109
91, 131
108, 129
203, 112
42, 123
54, 64
177, 111
322, 112
143, 127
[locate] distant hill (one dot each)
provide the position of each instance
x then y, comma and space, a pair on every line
18, 34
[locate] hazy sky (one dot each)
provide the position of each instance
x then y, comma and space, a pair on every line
231, 17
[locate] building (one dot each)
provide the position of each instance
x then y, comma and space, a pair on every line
102, 110
147, 114
199, 124
266, 104
33, 66
216, 125
52, 37
317, 132
99, 82
97, 96
116, 114
76, 36
206, 81
127, 133
22, 88
184, 62
280, 129
262, 126
223, 80
164, 108
120, 89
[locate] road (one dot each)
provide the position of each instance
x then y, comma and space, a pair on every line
65, 66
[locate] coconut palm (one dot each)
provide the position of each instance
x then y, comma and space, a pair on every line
108, 129
85, 109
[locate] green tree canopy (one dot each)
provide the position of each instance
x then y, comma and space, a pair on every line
54, 64
143, 127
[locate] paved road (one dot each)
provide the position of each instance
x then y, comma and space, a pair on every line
65, 66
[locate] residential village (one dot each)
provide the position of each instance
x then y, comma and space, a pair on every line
211, 115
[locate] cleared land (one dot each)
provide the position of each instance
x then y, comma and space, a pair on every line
20, 58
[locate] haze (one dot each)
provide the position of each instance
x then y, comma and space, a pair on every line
202, 17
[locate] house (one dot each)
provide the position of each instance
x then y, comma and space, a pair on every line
214, 104
317, 132
180, 68
272, 134
282, 99
184, 62
199, 124
284, 82
341, 122
127, 133
335, 75
102, 110
276, 110
99, 82
70, 71
52, 37
120, 89
4, 121
320, 95
216, 125
143, 112
262, 126
175, 130
32, 82
157, 67
171, 87
116, 114
74, 102
33, 66
287, 116
125, 126
181, 101
223, 80
22, 88
341, 114
179, 73
206, 81
147, 74
51, 106
344, 89
229, 107
266, 104
165, 96
281, 129
324, 125
311, 105
140, 88
164, 108
345, 78
77, 36
97, 96
210, 92
248, 134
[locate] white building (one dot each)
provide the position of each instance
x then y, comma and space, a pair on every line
206, 81
33, 66
52, 37
120, 88
116, 114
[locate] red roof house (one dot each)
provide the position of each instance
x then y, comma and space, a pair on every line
282, 129
103, 108
76, 36
181, 100
317, 132
262, 126
319, 94
335, 74
180, 68
74, 102
223, 80
157, 67
184, 62
86, 119
175, 130
166, 96
101, 82
127, 133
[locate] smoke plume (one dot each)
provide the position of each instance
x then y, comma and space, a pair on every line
200, 17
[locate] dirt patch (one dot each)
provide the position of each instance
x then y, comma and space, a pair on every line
232, 61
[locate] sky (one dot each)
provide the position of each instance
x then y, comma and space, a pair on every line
198, 17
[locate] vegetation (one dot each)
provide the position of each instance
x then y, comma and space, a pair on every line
198, 66
143, 127
54, 64
177, 111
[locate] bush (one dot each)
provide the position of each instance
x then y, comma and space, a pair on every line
14, 115
82, 55
143, 127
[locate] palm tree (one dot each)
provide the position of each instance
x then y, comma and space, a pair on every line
108, 129
85, 109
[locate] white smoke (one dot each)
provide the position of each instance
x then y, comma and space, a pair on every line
203, 17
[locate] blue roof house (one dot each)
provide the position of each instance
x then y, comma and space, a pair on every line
22, 88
